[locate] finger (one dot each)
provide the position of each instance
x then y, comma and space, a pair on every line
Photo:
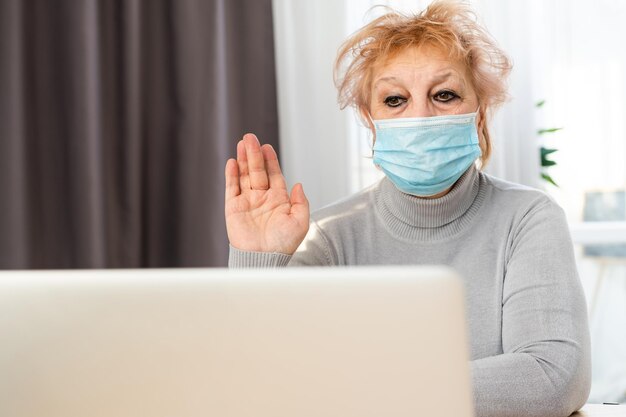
299, 204
231, 172
256, 164
274, 173
242, 162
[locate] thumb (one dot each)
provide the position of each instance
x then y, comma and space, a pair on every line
299, 203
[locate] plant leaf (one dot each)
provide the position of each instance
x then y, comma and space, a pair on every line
549, 179
540, 103
544, 152
547, 151
551, 130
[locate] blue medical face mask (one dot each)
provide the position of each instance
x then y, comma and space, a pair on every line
424, 156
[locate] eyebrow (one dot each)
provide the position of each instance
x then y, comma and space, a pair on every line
436, 78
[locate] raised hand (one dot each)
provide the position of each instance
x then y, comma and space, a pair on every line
260, 214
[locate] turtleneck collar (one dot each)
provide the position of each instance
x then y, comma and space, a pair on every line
418, 218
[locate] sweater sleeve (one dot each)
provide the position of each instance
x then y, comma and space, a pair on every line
315, 250
545, 368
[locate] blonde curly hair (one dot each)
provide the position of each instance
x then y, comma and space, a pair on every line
450, 26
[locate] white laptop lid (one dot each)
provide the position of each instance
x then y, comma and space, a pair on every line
367, 341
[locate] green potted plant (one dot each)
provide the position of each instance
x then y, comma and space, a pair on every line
544, 152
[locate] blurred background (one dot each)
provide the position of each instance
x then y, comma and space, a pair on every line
117, 117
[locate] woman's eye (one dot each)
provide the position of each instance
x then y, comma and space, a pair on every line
394, 101
445, 96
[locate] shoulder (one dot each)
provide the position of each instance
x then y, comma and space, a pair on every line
516, 197
525, 211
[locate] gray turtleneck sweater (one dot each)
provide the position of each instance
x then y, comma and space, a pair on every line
526, 311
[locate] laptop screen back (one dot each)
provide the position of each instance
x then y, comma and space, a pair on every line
367, 341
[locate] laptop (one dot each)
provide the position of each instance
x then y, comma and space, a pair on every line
312, 342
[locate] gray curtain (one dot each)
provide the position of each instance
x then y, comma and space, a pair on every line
116, 120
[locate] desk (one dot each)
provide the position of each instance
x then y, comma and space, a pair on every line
599, 410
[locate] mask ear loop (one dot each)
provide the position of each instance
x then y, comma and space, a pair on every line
479, 162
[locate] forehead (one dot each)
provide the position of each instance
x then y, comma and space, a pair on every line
424, 60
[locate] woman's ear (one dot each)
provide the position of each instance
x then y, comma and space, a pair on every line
483, 135
481, 119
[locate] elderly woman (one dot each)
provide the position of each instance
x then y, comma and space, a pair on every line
425, 85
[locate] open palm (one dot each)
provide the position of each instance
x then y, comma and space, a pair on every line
260, 214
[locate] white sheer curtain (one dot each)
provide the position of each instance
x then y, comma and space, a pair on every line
569, 53
313, 131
